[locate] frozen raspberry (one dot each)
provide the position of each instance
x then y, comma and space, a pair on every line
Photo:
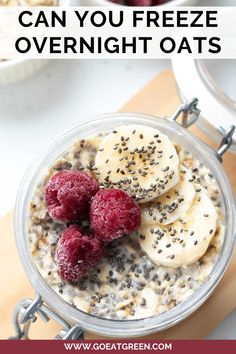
77, 253
68, 195
113, 214
158, 2
138, 2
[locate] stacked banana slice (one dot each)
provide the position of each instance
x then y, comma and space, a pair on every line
138, 159
178, 218
172, 204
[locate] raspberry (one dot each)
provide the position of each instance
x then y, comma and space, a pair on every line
77, 253
158, 2
68, 194
138, 2
113, 213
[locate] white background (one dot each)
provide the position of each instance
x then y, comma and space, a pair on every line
63, 94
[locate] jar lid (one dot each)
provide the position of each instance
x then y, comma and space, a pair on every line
211, 82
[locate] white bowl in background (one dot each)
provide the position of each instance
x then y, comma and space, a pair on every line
14, 70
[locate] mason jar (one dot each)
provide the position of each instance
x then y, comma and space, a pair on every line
75, 321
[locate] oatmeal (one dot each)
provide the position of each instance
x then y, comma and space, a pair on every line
141, 274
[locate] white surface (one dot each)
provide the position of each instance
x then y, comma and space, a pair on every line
63, 94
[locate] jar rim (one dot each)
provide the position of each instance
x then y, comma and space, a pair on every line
110, 327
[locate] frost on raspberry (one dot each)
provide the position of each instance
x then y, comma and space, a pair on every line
77, 253
68, 195
113, 214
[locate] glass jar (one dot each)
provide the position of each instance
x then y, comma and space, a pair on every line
107, 327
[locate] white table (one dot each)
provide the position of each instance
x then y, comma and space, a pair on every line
66, 93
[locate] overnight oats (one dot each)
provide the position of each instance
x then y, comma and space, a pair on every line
126, 224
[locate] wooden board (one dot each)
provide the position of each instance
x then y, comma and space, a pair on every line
158, 97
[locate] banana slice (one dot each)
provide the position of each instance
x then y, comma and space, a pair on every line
173, 204
139, 160
148, 304
186, 240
